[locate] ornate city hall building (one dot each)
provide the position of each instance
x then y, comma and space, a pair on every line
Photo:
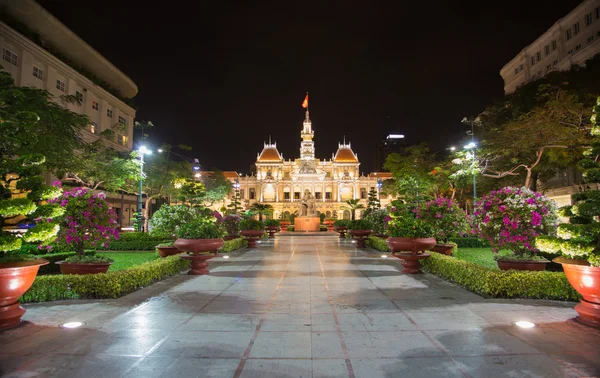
282, 183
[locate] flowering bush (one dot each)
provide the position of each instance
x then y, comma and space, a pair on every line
231, 224
88, 218
379, 219
446, 217
513, 217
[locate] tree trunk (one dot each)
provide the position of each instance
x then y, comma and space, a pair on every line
145, 211
528, 178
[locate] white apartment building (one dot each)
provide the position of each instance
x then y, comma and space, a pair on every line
32, 63
571, 41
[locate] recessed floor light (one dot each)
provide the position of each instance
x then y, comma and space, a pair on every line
384, 256
524, 324
72, 325
226, 257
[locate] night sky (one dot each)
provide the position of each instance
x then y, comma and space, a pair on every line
222, 76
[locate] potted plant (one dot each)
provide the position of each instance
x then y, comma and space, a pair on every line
88, 219
341, 226
271, 226
512, 218
168, 218
379, 220
448, 220
360, 230
231, 224
167, 248
411, 236
199, 239
329, 223
252, 230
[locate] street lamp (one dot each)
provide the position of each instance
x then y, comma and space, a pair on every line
472, 146
142, 151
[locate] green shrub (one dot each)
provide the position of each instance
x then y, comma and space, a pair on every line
470, 242
499, 283
233, 244
108, 285
52, 268
360, 224
251, 224
290, 228
272, 223
140, 245
199, 230
341, 223
377, 243
139, 236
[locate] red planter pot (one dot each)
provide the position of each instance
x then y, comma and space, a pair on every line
284, 225
199, 245
521, 265
198, 263
168, 251
15, 279
411, 262
272, 230
329, 225
360, 236
586, 280
83, 268
444, 249
252, 236
342, 231
413, 245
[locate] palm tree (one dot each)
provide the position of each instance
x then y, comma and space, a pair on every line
261, 208
353, 205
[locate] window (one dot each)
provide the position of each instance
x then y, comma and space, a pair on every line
252, 193
569, 35
286, 196
38, 72
554, 45
94, 127
554, 63
538, 56
60, 85
363, 193
95, 105
297, 195
242, 194
532, 60
109, 113
578, 47
327, 195
123, 139
10, 57
570, 52
547, 49
575, 28
521, 68
122, 120
590, 39
79, 97
588, 19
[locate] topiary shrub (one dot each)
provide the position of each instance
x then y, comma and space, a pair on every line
166, 221
251, 224
233, 244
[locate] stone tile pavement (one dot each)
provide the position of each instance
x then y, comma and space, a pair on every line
301, 306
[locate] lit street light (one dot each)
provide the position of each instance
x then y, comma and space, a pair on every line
142, 151
472, 146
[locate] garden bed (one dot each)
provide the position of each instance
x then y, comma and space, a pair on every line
124, 260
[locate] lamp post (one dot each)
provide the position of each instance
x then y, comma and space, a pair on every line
472, 146
142, 151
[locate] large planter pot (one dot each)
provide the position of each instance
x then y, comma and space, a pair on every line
199, 245
252, 236
83, 268
168, 251
329, 225
411, 262
15, 279
413, 245
360, 236
586, 280
342, 231
272, 230
284, 225
444, 249
521, 265
198, 263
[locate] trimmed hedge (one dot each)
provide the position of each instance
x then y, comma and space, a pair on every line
107, 285
470, 242
233, 244
139, 245
377, 243
52, 268
138, 236
500, 283
290, 228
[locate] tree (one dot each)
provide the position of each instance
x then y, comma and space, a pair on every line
260, 209
412, 172
217, 187
374, 203
353, 205
234, 205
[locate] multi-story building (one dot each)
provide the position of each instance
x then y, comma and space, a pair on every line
393, 143
39, 51
571, 41
281, 183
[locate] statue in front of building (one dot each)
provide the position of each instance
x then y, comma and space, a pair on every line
307, 205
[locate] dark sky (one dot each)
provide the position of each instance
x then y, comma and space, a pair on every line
221, 76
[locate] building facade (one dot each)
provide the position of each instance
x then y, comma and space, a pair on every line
281, 183
571, 41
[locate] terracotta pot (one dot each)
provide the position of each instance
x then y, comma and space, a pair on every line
444, 249
168, 251
410, 261
586, 280
330, 227
284, 225
360, 236
199, 245
272, 230
521, 265
83, 268
252, 236
341, 230
198, 263
15, 279
413, 245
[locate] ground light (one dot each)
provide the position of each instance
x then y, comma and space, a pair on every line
524, 324
72, 325
384, 256
226, 257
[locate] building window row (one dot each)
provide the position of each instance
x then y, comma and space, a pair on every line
38, 72
109, 113
10, 57
123, 120
588, 19
60, 85
79, 97
95, 105
590, 39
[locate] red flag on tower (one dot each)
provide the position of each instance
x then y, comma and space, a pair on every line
305, 102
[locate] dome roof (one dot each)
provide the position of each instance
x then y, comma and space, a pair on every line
345, 154
269, 153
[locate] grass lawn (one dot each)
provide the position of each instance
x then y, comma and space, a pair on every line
128, 259
481, 256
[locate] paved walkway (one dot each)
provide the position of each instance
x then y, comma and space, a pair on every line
308, 306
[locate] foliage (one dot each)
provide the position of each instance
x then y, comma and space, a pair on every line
374, 203
260, 209
233, 244
167, 219
341, 223
136, 245
291, 228
513, 217
88, 219
53, 268
360, 224
353, 205
88, 259
412, 172
109, 285
251, 224
377, 243
216, 187
405, 224
446, 217
466, 242
379, 221
498, 283
167, 243
231, 224
199, 229
272, 223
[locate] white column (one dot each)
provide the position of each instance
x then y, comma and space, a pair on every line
261, 192
277, 192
